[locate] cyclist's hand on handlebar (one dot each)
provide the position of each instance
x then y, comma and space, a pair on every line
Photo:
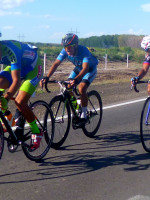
44, 81
73, 82
134, 80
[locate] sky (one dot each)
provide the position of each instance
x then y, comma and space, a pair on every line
47, 21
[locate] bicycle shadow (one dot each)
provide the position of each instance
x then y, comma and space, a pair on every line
112, 150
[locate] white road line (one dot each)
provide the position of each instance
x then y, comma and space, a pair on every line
122, 104
139, 197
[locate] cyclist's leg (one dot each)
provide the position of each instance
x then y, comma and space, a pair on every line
86, 81
26, 90
72, 75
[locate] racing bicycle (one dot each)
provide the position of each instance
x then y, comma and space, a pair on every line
144, 121
64, 111
45, 121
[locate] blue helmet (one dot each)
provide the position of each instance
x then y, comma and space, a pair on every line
69, 39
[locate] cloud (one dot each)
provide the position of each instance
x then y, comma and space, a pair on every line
146, 7
8, 27
138, 32
9, 4
4, 13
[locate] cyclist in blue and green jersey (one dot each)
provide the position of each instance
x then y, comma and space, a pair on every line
22, 73
85, 67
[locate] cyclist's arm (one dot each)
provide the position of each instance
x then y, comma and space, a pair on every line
144, 70
16, 82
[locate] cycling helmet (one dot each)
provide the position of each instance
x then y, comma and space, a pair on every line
145, 44
69, 39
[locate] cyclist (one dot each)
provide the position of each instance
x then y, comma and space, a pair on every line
23, 72
85, 68
145, 44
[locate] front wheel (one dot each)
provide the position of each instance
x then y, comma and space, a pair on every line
62, 118
1, 140
45, 122
94, 114
145, 125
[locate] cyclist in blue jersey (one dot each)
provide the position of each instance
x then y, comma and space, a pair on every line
22, 74
145, 44
85, 68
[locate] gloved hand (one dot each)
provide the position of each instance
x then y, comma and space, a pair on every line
3, 104
134, 80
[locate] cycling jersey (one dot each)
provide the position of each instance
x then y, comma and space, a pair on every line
147, 59
83, 55
19, 56
23, 57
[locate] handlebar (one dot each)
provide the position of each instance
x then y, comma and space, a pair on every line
135, 87
65, 83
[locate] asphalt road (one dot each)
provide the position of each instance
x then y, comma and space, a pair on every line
111, 166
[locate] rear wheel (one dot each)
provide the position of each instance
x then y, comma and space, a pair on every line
45, 123
94, 114
145, 125
62, 119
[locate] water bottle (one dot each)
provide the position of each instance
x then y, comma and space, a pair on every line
74, 102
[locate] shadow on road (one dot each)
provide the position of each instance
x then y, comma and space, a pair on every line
104, 151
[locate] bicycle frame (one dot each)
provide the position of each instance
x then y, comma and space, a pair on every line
8, 127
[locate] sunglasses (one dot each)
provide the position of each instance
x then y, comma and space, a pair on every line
69, 47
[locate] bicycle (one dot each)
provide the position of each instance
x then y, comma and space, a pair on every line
62, 107
45, 121
144, 121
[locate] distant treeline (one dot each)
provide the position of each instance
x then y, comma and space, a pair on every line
115, 46
108, 41
105, 41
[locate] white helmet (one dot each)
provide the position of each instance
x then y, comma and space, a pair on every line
145, 44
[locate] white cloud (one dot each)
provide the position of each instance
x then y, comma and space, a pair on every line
8, 27
8, 4
4, 13
146, 7
138, 32
55, 18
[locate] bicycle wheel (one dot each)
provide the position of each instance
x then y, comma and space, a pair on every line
62, 118
45, 121
1, 140
94, 114
145, 125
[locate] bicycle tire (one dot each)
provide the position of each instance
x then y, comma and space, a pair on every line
1, 140
94, 114
62, 119
145, 126
45, 122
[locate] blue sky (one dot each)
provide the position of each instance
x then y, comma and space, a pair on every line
48, 20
